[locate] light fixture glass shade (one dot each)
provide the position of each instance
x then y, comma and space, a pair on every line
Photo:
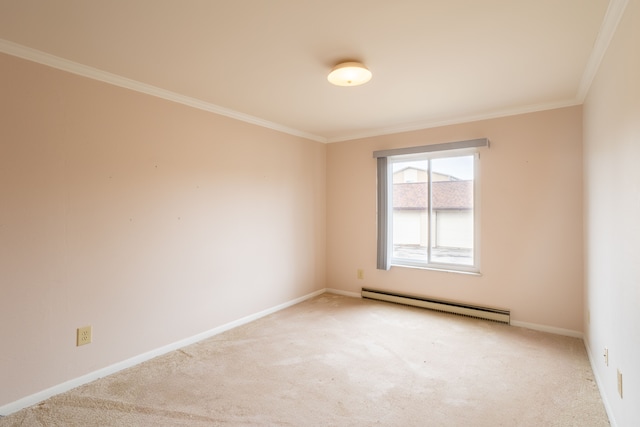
349, 74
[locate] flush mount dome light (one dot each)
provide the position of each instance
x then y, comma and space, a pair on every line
349, 74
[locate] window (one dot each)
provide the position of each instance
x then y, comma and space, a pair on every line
428, 206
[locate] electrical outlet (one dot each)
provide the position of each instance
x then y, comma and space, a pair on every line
360, 274
84, 336
606, 356
620, 383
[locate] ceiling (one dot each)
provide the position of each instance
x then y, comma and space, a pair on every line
434, 62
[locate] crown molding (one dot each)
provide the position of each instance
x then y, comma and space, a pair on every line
613, 15
53, 61
410, 127
612, 18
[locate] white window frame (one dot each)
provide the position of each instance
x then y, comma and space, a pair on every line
385, 160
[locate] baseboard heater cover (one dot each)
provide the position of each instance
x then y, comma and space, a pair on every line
487, 313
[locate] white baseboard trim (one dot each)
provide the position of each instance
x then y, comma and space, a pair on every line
550, 329
603, 396
343, 293
112, 369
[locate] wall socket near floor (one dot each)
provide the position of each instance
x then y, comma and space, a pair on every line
606, 356
360, 274
83, 336
620, 383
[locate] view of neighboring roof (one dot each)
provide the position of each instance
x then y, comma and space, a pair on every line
445, 195
439, 174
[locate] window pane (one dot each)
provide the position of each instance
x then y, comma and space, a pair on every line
452, 210
440, 232
410, 210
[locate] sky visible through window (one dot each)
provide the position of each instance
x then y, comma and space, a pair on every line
459, 167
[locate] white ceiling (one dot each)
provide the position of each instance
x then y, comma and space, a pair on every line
265, 61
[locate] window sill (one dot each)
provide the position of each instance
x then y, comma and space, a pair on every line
440, 269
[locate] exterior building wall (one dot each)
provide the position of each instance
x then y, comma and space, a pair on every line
454, 229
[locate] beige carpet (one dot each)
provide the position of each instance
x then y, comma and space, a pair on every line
339, 361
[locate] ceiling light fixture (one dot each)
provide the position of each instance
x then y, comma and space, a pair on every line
349, 74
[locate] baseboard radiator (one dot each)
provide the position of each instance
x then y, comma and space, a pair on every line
487, 313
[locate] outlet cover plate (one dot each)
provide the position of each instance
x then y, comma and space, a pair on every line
620, 383
84, 336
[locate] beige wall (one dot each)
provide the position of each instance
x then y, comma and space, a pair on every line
531, 224
612, 226
154, 222
149, 220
